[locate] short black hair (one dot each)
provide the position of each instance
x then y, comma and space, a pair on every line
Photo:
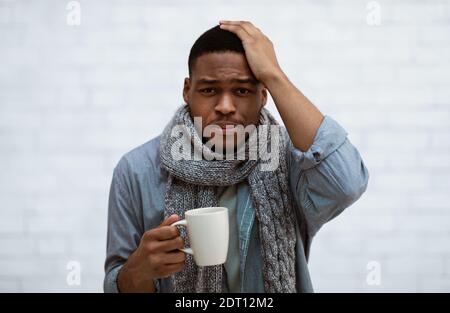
214, 40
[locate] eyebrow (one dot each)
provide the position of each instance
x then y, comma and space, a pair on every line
243, 80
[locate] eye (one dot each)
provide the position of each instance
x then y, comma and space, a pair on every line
207, 91
242, 91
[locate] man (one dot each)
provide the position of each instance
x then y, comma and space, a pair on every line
273, 214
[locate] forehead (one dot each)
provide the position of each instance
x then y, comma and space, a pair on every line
221, 66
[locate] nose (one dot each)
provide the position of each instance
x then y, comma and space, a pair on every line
225, 105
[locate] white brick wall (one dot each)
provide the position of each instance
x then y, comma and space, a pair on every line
73, 99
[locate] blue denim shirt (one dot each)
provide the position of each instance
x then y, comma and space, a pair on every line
325, 180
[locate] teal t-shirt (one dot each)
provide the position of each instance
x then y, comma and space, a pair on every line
232, 268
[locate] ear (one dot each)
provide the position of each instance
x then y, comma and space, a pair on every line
186, 88
264, 96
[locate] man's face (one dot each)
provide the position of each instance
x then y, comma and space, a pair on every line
223, 91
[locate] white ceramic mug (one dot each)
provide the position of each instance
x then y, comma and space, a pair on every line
208, 232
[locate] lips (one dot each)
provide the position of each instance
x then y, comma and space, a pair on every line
225, 125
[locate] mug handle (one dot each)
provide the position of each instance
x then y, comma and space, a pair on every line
183, 223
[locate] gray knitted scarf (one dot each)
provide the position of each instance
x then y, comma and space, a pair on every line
194, 183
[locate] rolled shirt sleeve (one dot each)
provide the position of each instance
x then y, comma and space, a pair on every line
124, 229
110, 281
327, 178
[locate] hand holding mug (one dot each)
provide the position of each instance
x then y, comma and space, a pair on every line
157, 256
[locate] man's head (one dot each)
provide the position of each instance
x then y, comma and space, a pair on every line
221, 88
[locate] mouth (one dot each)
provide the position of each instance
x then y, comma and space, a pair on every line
226, 127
